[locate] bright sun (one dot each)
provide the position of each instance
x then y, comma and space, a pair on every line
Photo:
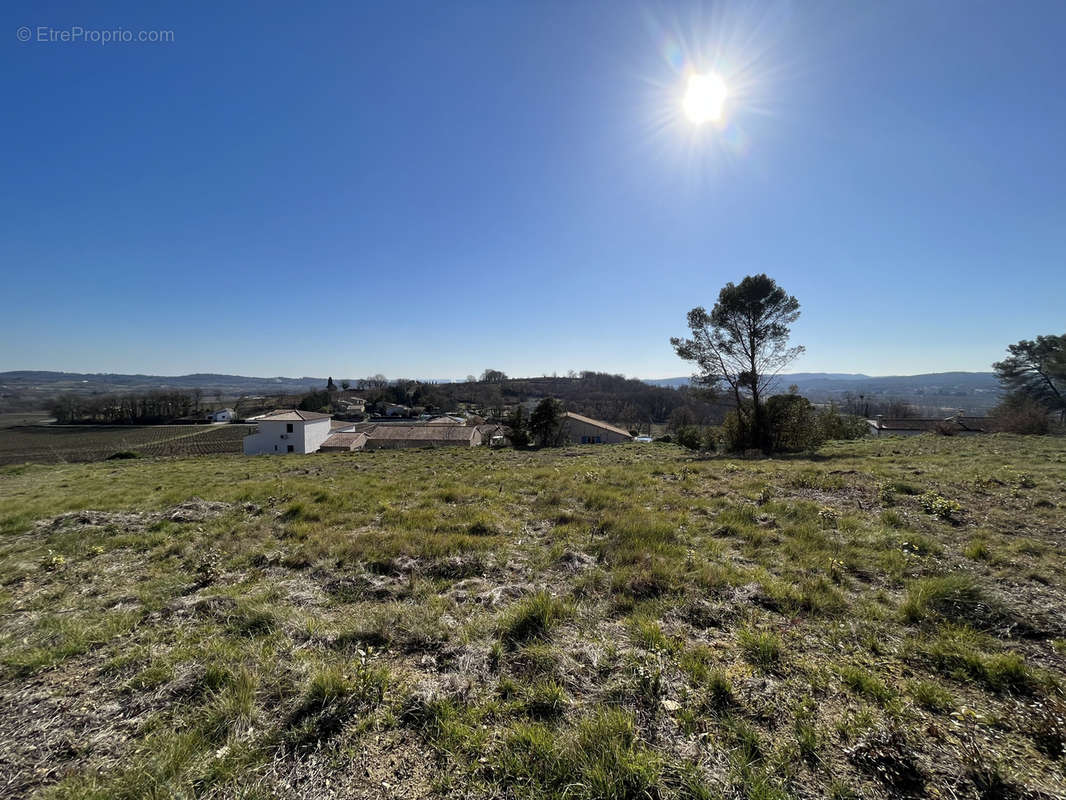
704, 98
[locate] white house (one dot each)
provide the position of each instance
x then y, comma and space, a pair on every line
222, 415
575, 428
288, 432
396, 410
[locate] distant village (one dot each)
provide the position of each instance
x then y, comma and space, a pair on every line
296, 431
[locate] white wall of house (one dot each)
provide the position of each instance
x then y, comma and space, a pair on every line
574, 431
222, 415
278, 436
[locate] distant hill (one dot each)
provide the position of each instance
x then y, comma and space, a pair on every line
22, 390
104, 381
973, 392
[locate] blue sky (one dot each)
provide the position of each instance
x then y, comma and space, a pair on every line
430, 189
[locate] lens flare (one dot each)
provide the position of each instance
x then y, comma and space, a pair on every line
704, 98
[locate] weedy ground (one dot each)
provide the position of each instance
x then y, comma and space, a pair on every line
886, 618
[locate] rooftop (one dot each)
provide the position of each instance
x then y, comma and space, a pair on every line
928, 424
292, 415
598, 423
424, 433
344, 441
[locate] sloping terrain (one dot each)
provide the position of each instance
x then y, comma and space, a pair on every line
884, 619
57, 443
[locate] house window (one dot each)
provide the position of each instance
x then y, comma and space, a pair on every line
288, 428
289, 449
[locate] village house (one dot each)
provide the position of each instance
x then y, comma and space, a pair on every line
222, 415
343, 442
960, 425
493, 435
288, 431
395, 410
350, 405
576, 429
402, 437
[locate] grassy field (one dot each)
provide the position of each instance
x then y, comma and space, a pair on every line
884, 619
57, 443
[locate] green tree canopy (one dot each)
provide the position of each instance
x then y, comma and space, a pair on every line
545, 420
1037, 370
743, 344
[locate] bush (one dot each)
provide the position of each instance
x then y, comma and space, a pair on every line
123, 454
734, 433
939, 506
689, 436
315, 401
792, 425
834, 425
945, 428
1020, 414
695, 437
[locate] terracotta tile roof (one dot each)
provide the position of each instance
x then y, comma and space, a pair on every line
292, 415
422, 433
344, 441
597, 423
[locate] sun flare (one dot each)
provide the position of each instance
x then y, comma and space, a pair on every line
704, 98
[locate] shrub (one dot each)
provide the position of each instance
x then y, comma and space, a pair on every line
1019, 413
123, 454
792, 424
734, 433
834, 425
690, 436
945, 428
939, 506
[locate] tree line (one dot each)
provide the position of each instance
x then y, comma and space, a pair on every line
628, 402
125, 409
